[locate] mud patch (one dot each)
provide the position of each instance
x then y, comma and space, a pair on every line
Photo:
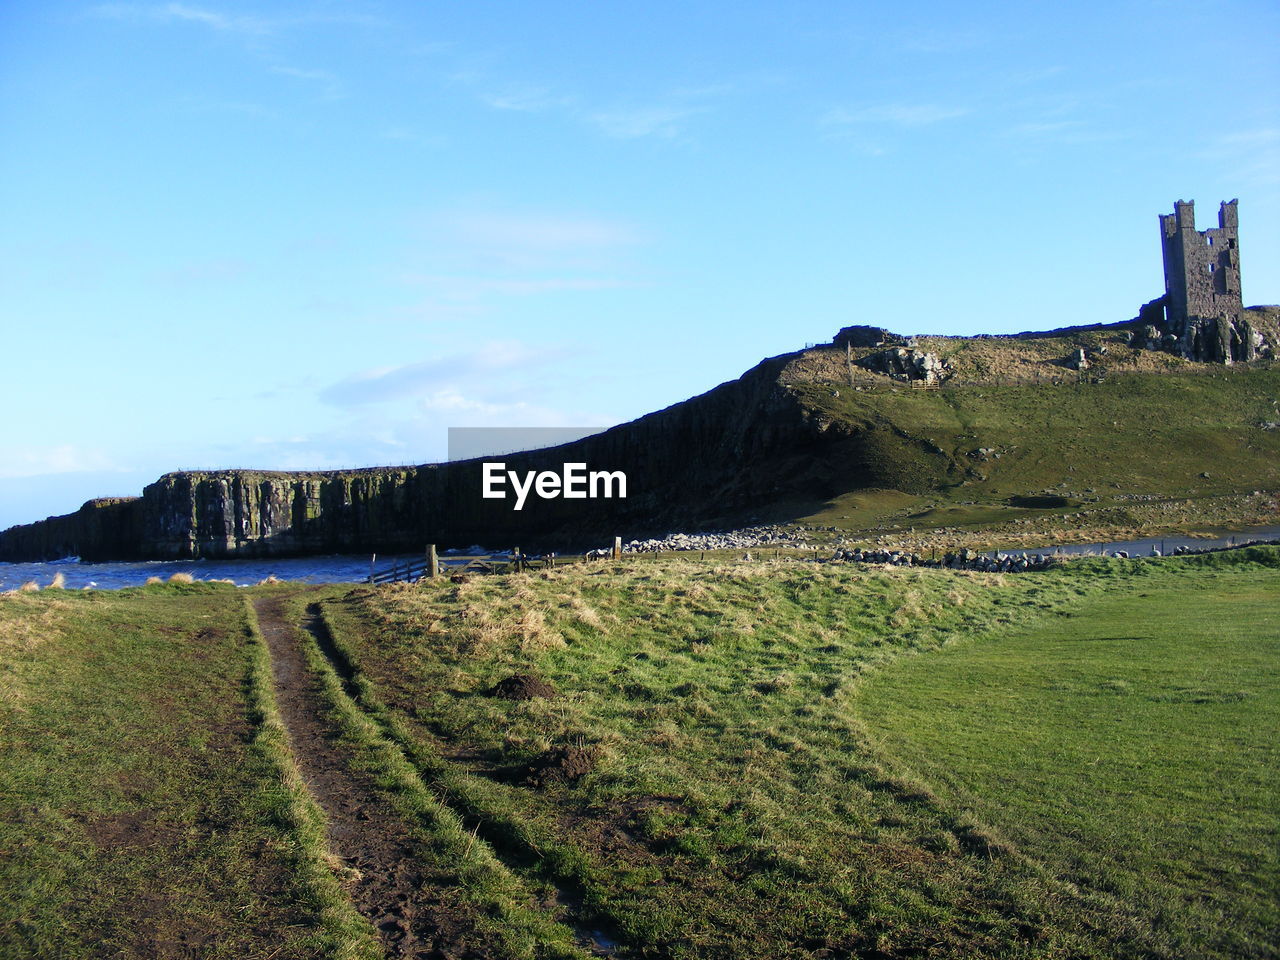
134, 828
562, 765
390, 877
522, 686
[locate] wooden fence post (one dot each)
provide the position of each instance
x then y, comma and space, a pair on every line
433, 562
617, 548
372, 560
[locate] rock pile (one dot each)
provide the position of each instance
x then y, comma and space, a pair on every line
904, 363
767, 536
962, 560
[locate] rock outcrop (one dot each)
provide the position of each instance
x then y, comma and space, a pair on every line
104, 529
707, 461
907, 363
1224, 339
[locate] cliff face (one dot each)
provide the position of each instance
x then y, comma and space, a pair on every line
705, 461
106, 529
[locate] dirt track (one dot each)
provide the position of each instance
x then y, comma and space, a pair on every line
389, 883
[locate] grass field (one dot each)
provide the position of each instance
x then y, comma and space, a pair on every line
1130, 747
692, 760
142, 810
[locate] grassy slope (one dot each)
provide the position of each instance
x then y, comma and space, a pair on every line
137, 818
1124, 453
737, 808
1130, 745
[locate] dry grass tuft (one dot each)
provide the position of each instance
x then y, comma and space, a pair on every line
535, 635
29, 587
152, 581
58, 582
182, 578
586, 614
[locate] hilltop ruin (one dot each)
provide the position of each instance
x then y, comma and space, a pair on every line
1201, 315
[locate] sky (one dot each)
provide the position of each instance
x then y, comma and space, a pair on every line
318, 235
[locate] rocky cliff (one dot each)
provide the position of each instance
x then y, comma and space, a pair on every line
708, 460
869, 411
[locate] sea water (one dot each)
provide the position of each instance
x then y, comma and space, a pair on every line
354, 568
340, 568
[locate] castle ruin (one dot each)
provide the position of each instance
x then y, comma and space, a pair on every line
1201, 315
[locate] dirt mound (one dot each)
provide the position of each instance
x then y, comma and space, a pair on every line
562, 765
521, 686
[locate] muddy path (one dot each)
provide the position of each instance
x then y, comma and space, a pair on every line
389, 883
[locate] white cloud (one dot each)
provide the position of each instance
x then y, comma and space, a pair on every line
476, 256
520, 237
182, 13
64, 458
522, 99
476, 377
663, 122
332, 85
939, 41
904, 115
244, 25
1251, 157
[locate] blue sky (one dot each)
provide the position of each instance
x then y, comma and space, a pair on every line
316, 235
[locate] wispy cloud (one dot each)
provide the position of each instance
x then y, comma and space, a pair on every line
63, 458
944, 41
469, 263
902, 115
519, 233
182, 13
230, 23
206, 105
463, 286
332, 86
523, 99
406, 134
215, 270
1250, 156
631, 124
1064, 132
465, 377
663, 115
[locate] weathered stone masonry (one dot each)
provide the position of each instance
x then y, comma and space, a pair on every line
1201, 315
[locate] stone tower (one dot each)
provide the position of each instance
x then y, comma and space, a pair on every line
1202, 305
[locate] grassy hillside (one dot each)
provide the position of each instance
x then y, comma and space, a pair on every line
1052, 461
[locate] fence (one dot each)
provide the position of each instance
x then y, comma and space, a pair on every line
411, 571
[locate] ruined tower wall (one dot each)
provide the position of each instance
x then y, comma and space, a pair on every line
1201, 267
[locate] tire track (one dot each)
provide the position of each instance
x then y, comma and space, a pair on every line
388, 881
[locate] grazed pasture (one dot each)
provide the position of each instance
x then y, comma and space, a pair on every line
658, 758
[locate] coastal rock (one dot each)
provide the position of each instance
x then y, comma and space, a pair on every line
903, 363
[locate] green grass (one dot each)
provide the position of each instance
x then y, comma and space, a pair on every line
1129, 746
496, 902
1133, 449
138, 817
738, 808
790, 760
